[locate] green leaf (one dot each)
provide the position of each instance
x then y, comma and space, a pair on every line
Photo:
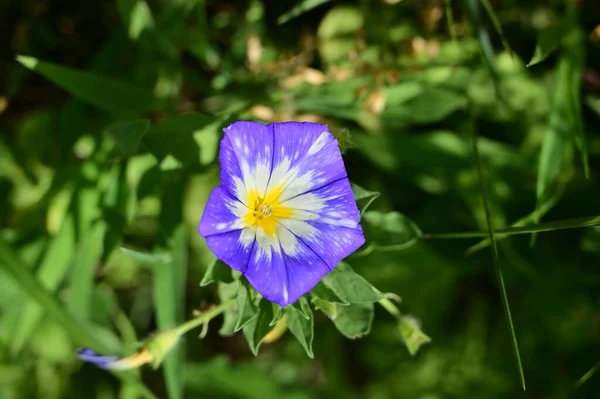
51, 274
431, 105
110, 95
364, 198
299, 9
216, 271
151, 258
354, 321
497, 25
247, 309
392, 228
180, 138
169, 294
301, 324
411, 334
258, 328
323, 292
91, 230
548, 40
128, 135
136, 15
328, 308
340, 21
351, 287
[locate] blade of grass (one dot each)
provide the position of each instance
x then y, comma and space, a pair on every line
110, 95
168, 297
300, 8
532, 228
496, 261
587, 375
497, 26
51, 273
528, 219
450, 19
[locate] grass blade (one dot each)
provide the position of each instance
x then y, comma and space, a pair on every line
108, 94
562, 224
496, 261
300, 8
51, 273
168, 298
497, 26
587, 375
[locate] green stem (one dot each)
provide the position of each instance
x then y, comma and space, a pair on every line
391, 308
533, 228
204, 317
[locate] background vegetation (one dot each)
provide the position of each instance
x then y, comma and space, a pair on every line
110, 120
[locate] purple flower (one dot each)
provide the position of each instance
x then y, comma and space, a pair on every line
284, 214
114, 362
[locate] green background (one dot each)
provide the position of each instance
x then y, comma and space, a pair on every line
110, 120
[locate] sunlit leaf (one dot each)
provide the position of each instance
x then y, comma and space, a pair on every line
549, 39
350, 286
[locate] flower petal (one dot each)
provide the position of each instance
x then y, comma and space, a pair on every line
305, 157
222, 214
246, 158
286, 271
91, 356
233, 247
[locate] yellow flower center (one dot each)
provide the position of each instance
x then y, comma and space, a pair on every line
264, 212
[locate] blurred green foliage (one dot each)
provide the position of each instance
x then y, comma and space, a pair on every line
110, 118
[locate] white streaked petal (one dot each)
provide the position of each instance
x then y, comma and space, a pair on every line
287, 240
247, 236
318, 144
299, 228
308, 202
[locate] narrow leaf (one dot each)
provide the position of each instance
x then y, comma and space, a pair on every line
110, 95
496, 261
300, 8
51, 274
169, 290
301, 324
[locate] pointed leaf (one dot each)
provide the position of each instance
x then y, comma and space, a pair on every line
392, 228
351, 287
258, 328
301, 327
216, 271
548, 40
247, 309
107, 94
328, 308
364, 198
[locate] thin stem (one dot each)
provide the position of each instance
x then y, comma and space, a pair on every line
391, 308
533, 228
205, 317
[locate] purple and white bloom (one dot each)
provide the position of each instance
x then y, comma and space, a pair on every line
284, 215
114, 362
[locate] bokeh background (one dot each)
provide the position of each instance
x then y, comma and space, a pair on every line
406, 86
